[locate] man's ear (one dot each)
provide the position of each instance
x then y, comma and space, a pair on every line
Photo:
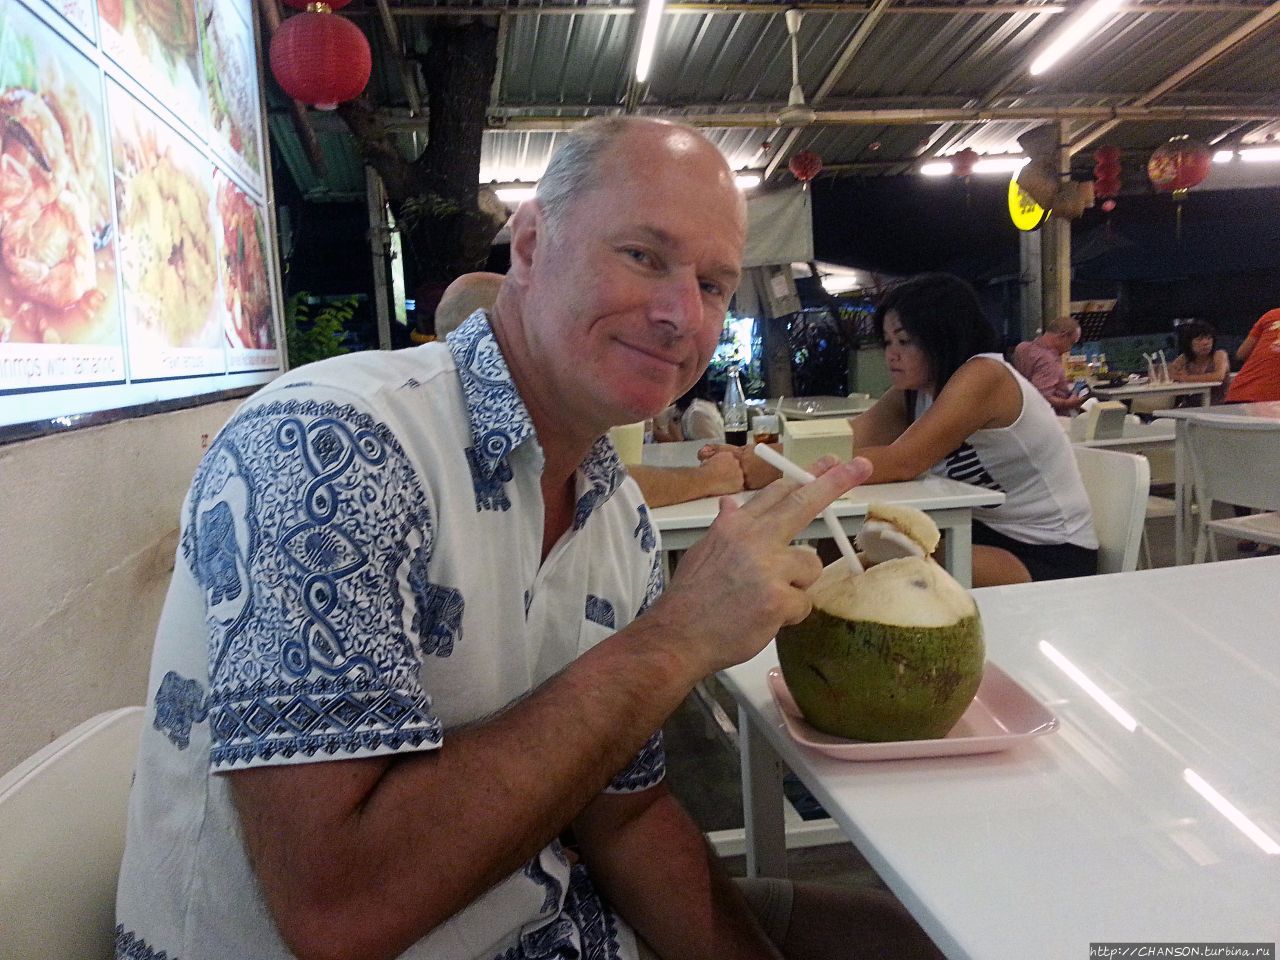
526, 231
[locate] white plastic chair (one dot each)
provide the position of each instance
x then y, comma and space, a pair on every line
62, 827
1237, 461
1117, 484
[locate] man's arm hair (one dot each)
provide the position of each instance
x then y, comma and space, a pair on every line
663, 486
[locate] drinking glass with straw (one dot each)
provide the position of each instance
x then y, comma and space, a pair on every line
795, 472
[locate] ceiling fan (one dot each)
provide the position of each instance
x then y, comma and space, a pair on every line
797, 113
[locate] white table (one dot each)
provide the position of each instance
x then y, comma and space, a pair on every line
1098, 831
814, 408
1136, 441
1200, 391
1184, 535
949, 502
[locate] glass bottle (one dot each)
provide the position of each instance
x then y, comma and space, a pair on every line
735, 410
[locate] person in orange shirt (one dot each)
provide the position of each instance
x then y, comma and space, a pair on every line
1259, 378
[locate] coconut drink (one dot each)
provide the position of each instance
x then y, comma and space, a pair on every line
894, 653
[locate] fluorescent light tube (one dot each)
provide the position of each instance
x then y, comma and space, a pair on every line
940, 169
1073, 34
648, 38
1260, 155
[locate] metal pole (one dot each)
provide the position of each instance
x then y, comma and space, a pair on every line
379, 247
1055, 290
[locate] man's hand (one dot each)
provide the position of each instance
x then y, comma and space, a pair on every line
755, 472
744, 579
723, 473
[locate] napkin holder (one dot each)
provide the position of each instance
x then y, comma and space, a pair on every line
1104, 420
804, 441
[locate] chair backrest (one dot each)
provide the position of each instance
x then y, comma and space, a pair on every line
62, 827
1235, 460
1117, 484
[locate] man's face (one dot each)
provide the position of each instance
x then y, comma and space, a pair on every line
626, 295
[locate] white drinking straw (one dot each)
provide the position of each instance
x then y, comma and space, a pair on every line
795, 472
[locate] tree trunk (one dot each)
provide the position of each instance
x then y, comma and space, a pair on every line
436, 196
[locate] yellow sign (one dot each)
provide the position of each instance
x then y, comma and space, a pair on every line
1025, 212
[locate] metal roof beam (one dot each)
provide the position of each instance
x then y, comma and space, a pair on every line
833, 76
407, 79
892, 117
845, 7
1235, 37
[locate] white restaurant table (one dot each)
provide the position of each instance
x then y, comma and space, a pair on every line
1098, 831
1199, 390
949, 502
1184, 533
1137, 438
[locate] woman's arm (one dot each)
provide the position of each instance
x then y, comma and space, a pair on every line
1178, 370
882, 423
981, 394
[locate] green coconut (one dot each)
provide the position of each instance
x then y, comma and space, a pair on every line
895, 653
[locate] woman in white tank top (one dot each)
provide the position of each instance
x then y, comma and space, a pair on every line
957, 409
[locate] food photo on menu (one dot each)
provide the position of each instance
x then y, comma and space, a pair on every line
79, 13
156, 42
250, 323
168, 255
231, 84
57, 245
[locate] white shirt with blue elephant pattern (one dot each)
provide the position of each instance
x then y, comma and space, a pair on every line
359, 572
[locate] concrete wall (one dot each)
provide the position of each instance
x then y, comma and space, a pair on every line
88, 530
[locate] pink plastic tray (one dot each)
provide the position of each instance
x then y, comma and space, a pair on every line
1001, 716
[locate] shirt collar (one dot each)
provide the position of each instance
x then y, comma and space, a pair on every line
500, 421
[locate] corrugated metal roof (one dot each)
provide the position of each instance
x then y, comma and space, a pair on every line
732, 60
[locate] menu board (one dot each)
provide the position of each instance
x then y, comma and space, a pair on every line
137, 262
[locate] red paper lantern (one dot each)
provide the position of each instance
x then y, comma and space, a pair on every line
962, 163
320, 58
1106, 176
1179, 165
805, 165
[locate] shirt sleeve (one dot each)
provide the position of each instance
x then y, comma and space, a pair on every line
309, 534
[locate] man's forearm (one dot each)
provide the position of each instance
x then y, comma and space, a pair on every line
663, 486
430, 833
657, 870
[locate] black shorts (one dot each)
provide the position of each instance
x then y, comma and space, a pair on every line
1044, 561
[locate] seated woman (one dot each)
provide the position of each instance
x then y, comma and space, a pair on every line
1198, 361
956, 408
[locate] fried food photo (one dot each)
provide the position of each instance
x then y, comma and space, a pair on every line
166, 248
55, 232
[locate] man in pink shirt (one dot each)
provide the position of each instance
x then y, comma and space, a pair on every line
1040, 361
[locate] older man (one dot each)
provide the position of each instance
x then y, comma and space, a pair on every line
417, 628
1040, 361
463, 297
